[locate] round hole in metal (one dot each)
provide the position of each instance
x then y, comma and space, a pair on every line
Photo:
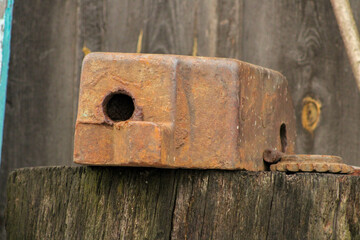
119, 107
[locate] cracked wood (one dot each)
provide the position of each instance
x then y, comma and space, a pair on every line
138, 203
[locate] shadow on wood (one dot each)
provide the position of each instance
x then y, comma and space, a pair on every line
138, 203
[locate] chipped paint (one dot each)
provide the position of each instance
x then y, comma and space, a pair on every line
5, 57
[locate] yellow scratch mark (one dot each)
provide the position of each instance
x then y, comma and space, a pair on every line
138, 48
86, 50
195, 47
310, 115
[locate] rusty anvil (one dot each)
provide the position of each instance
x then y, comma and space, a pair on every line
180, 112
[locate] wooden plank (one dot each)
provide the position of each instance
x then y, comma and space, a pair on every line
349, 100
40, 94
124, 21
162, 26
301, 40
39, 106
167, 27
136, 203
230, 28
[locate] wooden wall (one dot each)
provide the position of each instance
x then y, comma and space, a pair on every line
299, 38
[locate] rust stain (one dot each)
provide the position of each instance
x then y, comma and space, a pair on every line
179, 112
310, 115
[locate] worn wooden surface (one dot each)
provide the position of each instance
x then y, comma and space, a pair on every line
40, 96
299, 38
136, 203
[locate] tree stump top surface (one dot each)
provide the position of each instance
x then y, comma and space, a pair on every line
148, 203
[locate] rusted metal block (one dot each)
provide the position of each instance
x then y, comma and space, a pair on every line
180, 112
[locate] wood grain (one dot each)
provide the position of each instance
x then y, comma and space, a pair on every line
39, 106
301, 40
136, 203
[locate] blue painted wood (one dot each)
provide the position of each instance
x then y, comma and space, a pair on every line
5, 65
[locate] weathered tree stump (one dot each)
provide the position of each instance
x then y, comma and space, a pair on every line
138, 203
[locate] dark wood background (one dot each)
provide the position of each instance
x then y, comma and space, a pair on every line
299, 38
